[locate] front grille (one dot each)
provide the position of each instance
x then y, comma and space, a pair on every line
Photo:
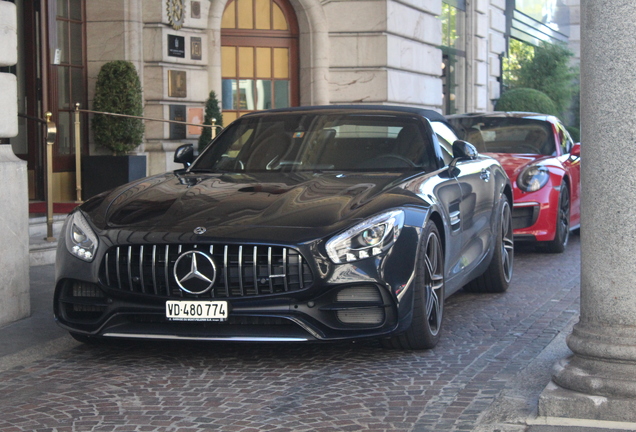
241, 270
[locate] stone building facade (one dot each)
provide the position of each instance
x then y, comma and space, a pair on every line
254, 54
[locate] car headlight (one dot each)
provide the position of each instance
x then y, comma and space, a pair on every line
366, 239
81, 241
533, 178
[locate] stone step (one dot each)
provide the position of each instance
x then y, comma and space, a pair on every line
37, 225
41, 250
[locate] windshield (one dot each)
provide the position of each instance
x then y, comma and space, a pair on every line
508, 135
319, 141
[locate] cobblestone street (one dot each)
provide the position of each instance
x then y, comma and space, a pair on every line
489, 344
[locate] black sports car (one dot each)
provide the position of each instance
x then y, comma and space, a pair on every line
314, 223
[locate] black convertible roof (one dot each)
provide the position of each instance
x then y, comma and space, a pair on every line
429, 114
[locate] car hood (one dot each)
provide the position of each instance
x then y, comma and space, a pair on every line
513, 163
180, 203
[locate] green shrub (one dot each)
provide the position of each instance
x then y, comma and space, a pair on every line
549, 71
118, 91
525, 99
212, 111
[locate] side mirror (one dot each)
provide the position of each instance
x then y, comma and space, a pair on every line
575, 152
463, 150
184, 155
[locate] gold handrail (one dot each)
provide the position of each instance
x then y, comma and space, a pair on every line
78, 159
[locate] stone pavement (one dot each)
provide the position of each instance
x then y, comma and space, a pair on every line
493, 361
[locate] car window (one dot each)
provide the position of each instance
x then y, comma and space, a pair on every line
509, 135
565, 141
301, 142
446, 138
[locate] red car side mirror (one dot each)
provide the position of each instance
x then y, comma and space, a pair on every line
576, 151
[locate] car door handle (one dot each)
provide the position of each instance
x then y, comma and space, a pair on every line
485, 175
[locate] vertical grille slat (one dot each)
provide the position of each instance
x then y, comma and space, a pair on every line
255, 268
226, 271
241, 270
180, 249
141, 269
154, 269
118, 272
269, 269
107, 261
166, 269
129, 265
285, 269
301, 281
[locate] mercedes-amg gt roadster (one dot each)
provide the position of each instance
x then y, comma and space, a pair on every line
302, 224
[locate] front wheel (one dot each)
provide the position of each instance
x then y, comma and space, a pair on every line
428, 302
562, 228
497, 276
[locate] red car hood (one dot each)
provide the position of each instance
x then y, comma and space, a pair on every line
515, 163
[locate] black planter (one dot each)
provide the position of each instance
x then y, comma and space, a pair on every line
101, 173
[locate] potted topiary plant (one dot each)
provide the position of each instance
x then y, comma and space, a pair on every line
212, 111
118, 90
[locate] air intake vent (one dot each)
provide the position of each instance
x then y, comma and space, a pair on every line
82, 302
361, 316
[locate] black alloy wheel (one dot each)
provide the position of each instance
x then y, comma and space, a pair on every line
562, 228
428, 302
497, 276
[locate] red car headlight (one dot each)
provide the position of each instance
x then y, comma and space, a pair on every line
533, 178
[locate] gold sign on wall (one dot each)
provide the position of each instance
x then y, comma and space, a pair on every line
177, 84
195, 48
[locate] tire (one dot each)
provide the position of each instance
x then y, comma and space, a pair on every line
428, 301
496, 278
562, 228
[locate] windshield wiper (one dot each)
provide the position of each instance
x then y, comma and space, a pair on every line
201, 170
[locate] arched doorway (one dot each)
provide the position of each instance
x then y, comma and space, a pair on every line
259, 57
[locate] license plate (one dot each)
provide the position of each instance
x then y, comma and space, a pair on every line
183, 310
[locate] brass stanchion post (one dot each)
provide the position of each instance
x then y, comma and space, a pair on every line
78, 155
213, 120
51, 133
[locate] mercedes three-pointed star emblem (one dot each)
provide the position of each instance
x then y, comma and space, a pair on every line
195, 272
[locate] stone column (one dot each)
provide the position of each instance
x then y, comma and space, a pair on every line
599, 381
14, 216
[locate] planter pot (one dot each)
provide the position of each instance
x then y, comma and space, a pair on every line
101, 173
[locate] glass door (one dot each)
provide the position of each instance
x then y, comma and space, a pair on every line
259, 60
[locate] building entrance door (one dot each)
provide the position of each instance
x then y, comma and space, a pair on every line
259, 43
51, 76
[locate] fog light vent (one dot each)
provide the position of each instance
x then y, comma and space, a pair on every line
361, 316
84, 289
359, 294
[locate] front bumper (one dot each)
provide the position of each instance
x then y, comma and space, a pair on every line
534, 214
366, 298
337, 314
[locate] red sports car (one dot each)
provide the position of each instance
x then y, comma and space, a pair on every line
544, 165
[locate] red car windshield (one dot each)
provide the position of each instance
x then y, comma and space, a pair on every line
509, 135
